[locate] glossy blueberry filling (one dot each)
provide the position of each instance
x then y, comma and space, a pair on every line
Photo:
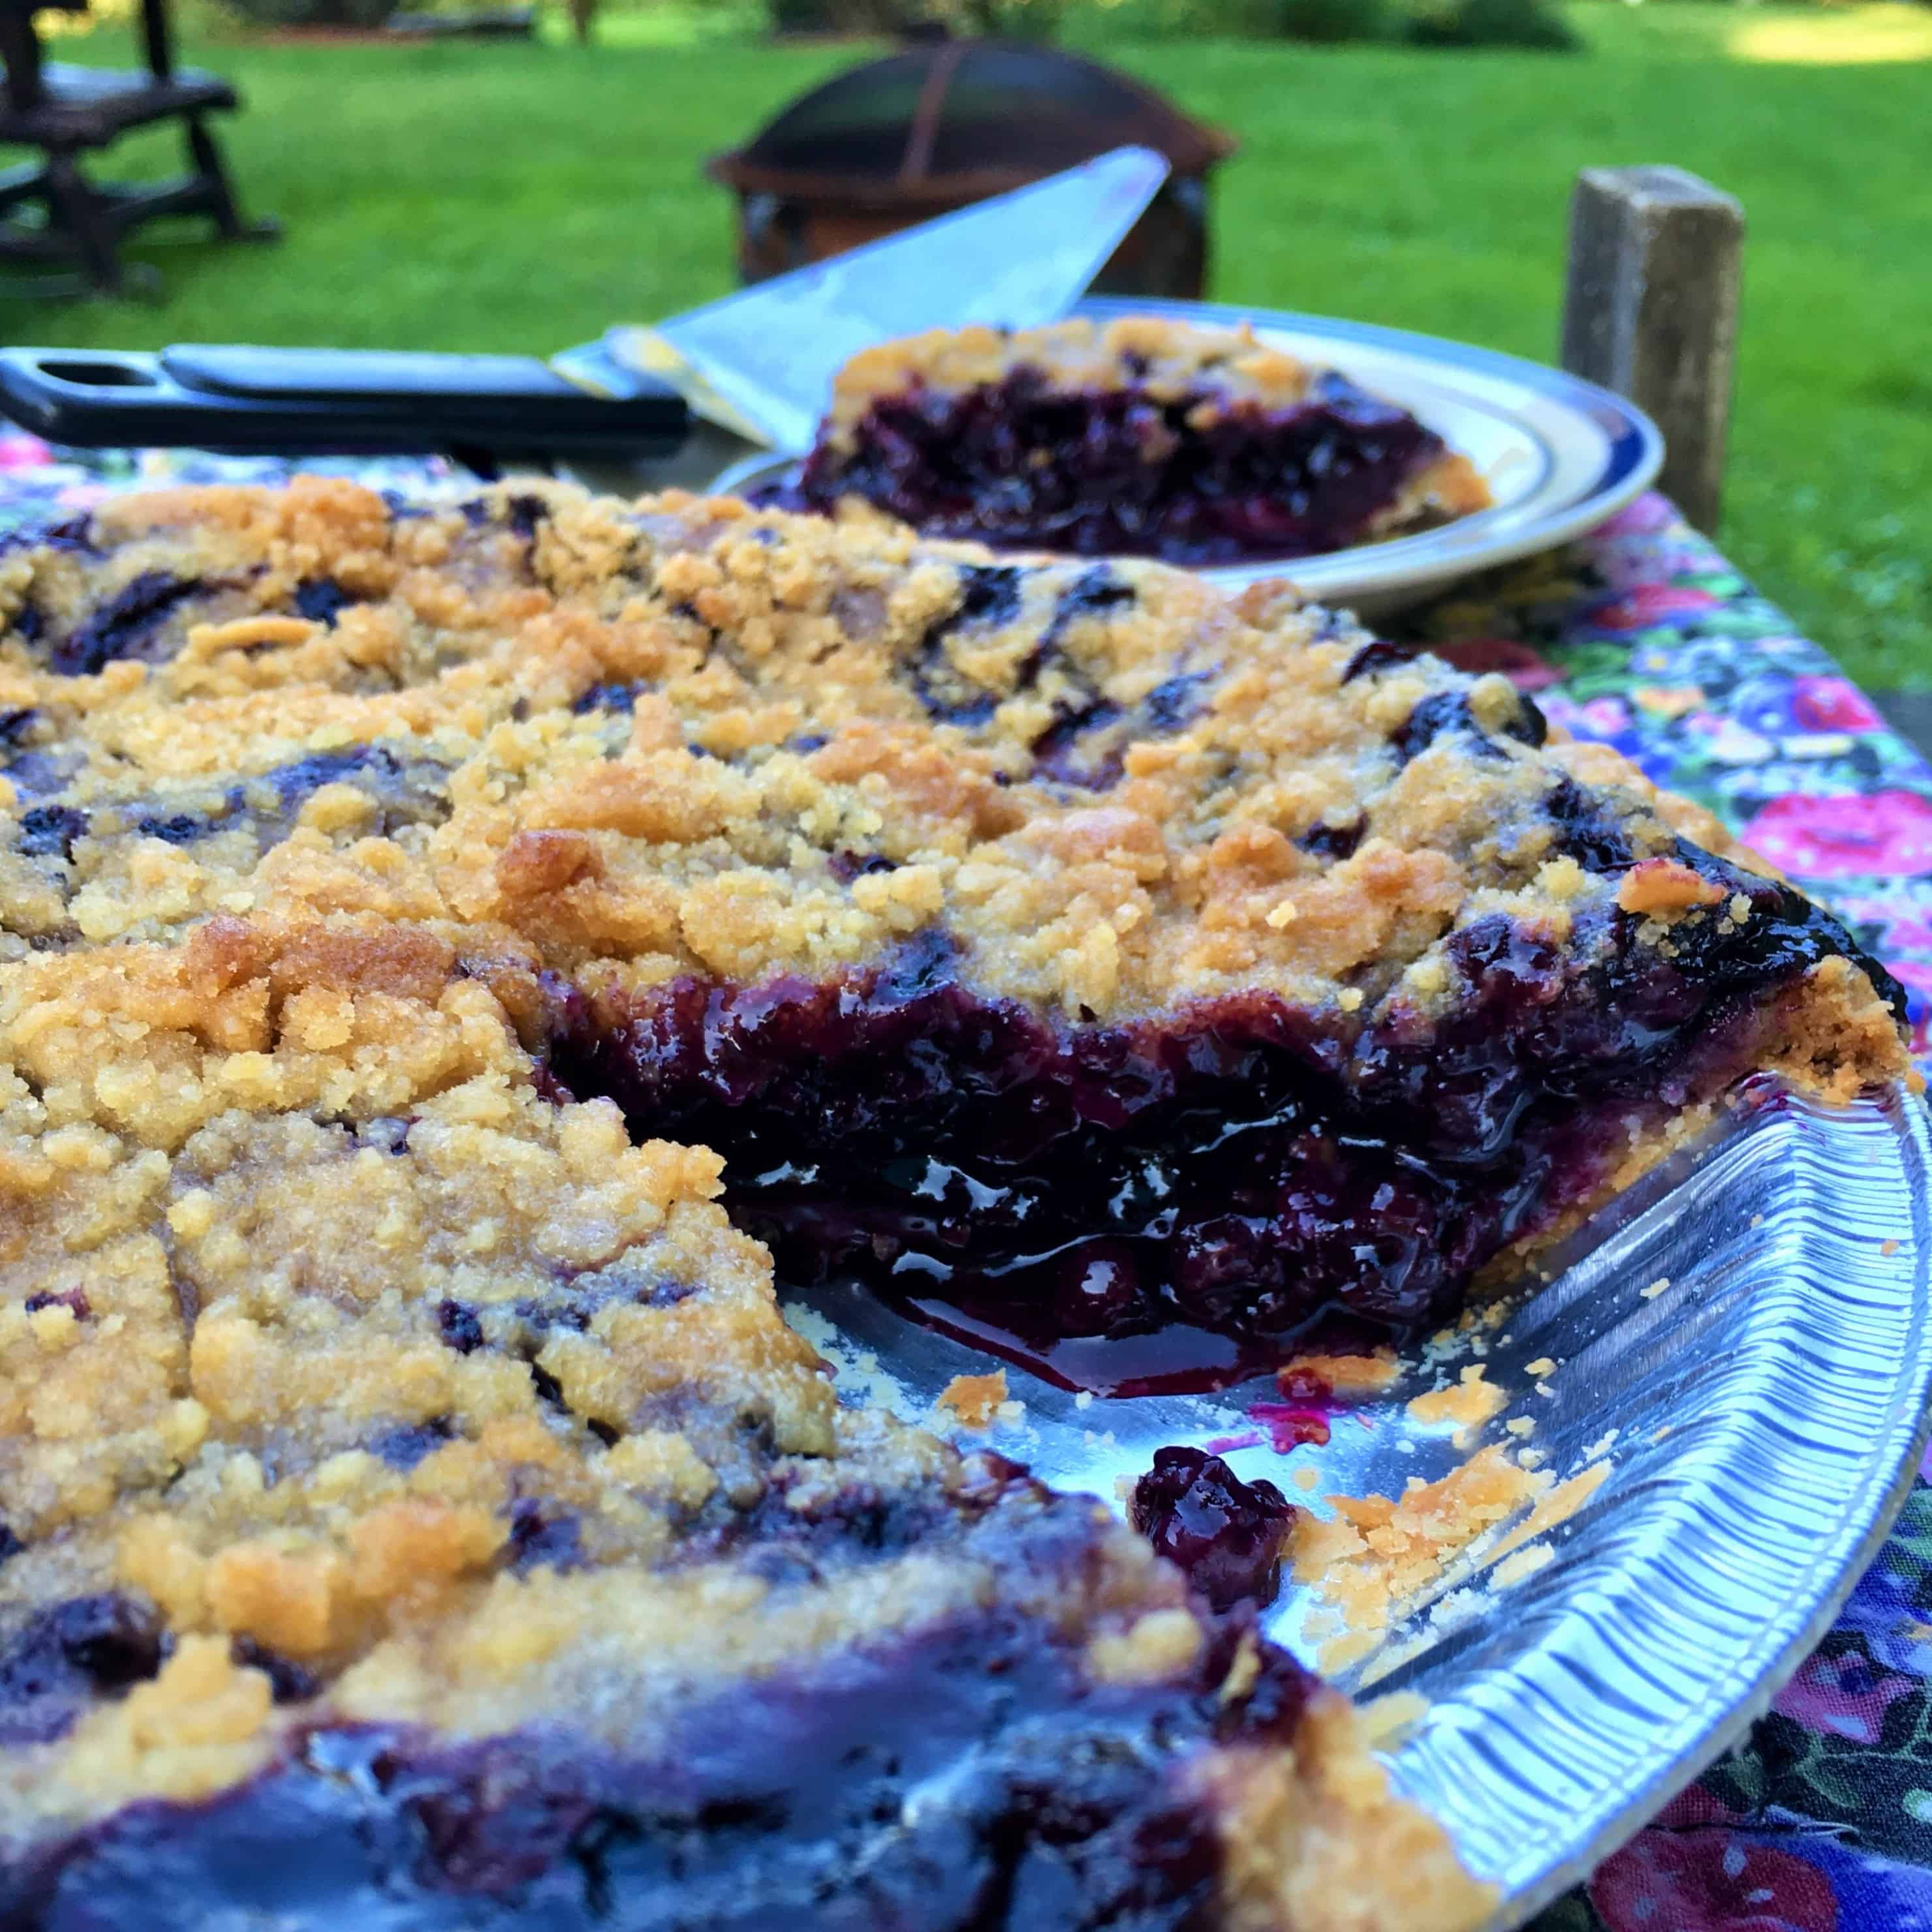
963, 1777
1122, 472
1170, 1202
1226, 1534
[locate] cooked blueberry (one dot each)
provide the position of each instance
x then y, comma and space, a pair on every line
1378, 654
456, 1321
1171, 704
11, 1545
989, 595
322, 600
403, 1447
408, 789
621, 697
548, 1388
847, 866
15, 726
288, 1682
180, 828
1334, 842
123, 626
74, 1300
525, 513
1056, 750
1226, 1534
1091, 593
1448, 711
1587, 830
538, 1534
49, 831
70, 1654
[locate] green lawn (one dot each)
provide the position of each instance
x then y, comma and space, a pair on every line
521, 197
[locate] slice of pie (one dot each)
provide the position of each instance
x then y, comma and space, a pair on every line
1143, 437
433, 942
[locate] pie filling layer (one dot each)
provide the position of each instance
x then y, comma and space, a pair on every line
1189, 478
1169, 1203
971, 1774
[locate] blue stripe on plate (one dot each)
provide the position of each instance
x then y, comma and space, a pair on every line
1632, 437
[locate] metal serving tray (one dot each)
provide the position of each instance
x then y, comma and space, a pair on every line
1758, 1419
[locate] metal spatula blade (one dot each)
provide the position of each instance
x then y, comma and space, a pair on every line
761, 362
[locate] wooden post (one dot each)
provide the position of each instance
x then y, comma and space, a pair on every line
1651, 311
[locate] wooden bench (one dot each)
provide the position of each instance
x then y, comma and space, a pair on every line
67, 111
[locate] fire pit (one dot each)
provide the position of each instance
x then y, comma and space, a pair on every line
943, 123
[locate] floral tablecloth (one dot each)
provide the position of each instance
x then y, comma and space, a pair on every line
1642, 636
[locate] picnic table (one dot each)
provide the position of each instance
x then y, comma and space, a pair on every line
1643, 637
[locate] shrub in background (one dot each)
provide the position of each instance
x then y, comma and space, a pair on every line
360, 14
1334, 20
1429, 23
1490, 23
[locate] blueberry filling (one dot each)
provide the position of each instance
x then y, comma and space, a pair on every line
538, 1537
1059, 754
456, 1322
125, 626
49, 831
1122, 472
847, 866
965, 1777
67, 1655
180, 828
322, 600
288, 1682
1226, 1534
1171, 704
1334, 842
989, 596
403, 1447
74, 1300
1190, 1191
1378, 654
608, 697
1444, 712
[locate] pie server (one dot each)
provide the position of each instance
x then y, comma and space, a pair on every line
758, 364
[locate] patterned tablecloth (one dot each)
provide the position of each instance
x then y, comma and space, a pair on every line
1642, 636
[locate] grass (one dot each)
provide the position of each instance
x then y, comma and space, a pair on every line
522, 197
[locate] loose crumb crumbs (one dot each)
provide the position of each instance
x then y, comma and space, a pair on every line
975, 1399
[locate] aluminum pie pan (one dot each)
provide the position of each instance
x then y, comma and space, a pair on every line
1764, 1412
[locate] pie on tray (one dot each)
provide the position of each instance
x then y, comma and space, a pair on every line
1146, 436
434, 944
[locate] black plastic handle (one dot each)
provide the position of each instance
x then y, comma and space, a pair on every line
330, 401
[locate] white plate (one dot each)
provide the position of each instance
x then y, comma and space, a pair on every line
1559, 454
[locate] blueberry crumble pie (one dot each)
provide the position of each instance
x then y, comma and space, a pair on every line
440, 949
1144, 437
